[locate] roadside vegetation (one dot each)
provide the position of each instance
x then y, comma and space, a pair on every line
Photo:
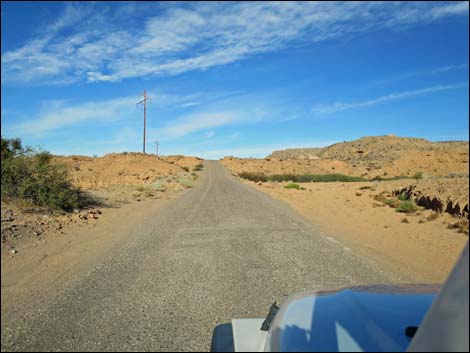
294, 186
462, 226
314, 178
400, 203
198, 167
29, 176
417, 176
407, 206
300, 178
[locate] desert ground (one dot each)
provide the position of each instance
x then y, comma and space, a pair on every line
425, 243
114, 181
159, 275
176, 240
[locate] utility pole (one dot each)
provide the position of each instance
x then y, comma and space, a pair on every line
156, 144
144, 102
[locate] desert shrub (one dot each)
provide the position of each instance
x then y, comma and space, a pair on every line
300, 178
149, 193
364, 187
457, 175
29, 174
394, 203
407, 207
307, 178
186, 182
198, 167
158, 184
253, 176
140, 188
432, 216
398, 177
402, 197
390, 202
418, 176
186, 169
380, 197
294, 186
405, 220
461, 226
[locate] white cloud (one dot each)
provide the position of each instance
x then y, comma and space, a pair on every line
189, 104
56, 115
449, 68
103, 45
422, 73
197, 122
339, 106
63, 115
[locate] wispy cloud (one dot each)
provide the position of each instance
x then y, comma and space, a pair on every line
198, 122
421, 73
57, 116
189, 104
221, 109
339, 106
197, 36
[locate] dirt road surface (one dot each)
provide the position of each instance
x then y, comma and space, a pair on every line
223, 250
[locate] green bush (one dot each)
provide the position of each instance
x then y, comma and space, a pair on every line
394, 203
407, 207
253, 176
307, 178
418, 176
29, 175
186, 182
198, 167
300, 178
294, 186
400, 177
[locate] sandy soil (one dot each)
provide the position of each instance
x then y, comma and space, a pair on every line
124, 169
369, 157
423, 248
384, 156
112, 181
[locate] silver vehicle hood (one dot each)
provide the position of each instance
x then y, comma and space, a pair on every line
355, 319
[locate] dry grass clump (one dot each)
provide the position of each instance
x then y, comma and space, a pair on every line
461, 226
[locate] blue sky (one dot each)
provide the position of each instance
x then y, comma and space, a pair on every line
238, 79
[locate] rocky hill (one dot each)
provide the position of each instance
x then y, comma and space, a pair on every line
389, 155
373, 148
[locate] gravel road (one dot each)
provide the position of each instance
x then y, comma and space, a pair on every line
223, 250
